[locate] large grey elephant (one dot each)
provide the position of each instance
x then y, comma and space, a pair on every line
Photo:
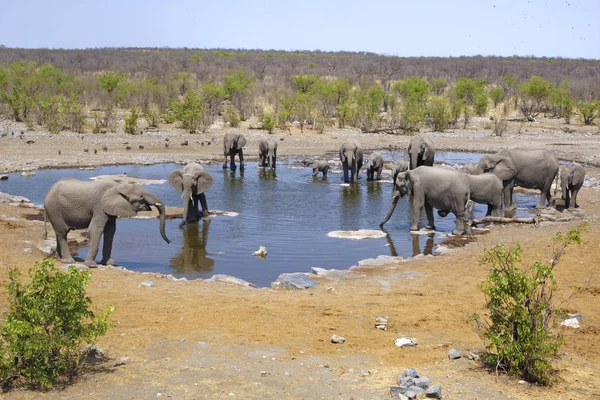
532, 169
486, 189
444, 189
421, 152
571, 181
233, 143
267, 153
74, 204
351, 156
192, 181
374, 164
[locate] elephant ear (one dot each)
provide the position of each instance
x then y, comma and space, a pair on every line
241, 142
505, 169
426, 152
204, 181
176, 180
115, 202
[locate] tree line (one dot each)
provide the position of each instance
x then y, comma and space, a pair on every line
84, 90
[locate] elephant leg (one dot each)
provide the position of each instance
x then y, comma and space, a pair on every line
417, 204
379, 174
204, 204
354, 173
544, 197
109, 234
574, 195
489, 210
196, 209
345, 168
460, 225
95, 231
232, 160
507, 192
241, 155
429, 213
62, 246
192, 214
225, 162
315, 171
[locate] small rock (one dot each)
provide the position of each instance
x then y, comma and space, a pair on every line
571, 323
27, 173
287, 374
263, 373
473, 356
261, 252
296, 280
411, 373
414, 392
124, 359
397, 390
147, 284
3, 177
337, 339
406, 342
423, 382
93, 352
230, 279
434, 392
454, 354
365, 372
76, 265
579, 317
381, 323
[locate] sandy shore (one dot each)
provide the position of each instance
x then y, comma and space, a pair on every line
199, 339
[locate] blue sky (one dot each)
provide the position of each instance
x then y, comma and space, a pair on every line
552, 28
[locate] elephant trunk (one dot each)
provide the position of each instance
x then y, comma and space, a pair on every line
152, 200
414, 158
391, 211
187, 195
564, 188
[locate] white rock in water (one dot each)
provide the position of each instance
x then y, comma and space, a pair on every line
345, 184
571, 322
27, 173
358, 234
128, 179
261, 252
422, 231
219, 213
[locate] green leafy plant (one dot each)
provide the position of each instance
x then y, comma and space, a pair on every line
232, 116
268, 119
189, 113
588, 111
131, 122
439, 113
48, 322
520, 334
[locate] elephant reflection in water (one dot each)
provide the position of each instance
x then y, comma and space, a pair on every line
193, 257
427, 250
267, 174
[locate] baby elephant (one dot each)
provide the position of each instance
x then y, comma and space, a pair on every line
374, 164
319, 166
267, 153
398, 167
571, 180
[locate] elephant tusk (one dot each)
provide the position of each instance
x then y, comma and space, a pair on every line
158, 204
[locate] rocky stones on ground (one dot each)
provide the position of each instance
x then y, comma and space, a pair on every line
93, 353
411, 373
381, 323
571, 323
76, 265
295, 280
26, 174
414, 392
147, 284
411, 385
441, 250
454, 354
9, 198
423, 382
473, 356
337, 339
231, 280
380, 261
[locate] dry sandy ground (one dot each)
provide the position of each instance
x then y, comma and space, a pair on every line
198, 339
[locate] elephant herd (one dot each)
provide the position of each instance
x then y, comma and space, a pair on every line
72, 204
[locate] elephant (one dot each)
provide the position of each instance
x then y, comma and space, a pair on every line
351, 156
397, 167
267, 153
444, 189
192, 181
486, 189
233, 143
74, 204
374, 164
319, 166
533, 169
421, 152
571, 180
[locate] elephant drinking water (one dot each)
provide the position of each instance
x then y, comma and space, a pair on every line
267, 153
351, 156
192, 181
74, 204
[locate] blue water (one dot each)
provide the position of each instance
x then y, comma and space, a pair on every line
290, 213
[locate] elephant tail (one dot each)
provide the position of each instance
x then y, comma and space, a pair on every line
45, 225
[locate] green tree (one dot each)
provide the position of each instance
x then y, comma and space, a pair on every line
48, 321
497, 95
413, 89
131, 122
238, 86
561, 101
191, 113
110, 81
303, 83
439, 113
588, 111
480, 103
438, 86
533, 95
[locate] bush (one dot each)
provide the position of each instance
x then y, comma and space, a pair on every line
48, 322
519, 336
500, 126
190, 112
131, 122
232, 116
588, 111
268, 120
480, 103
439, 113
497, 95
152, 116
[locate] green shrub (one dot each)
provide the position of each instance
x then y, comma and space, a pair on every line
152, 116
520, 335
439, 113
48, 321
189, 113
131, 122
497, 95
588, 111
233, 116
268, 121
480, 103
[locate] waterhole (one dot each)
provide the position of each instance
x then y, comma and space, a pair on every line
290, 213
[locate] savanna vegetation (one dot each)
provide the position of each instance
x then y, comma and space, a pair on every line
92, 90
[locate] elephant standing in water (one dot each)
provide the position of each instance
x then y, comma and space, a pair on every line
319, 166
571, 180
351, 156
374, 164
532, 169
421, 152
74, 204
192, 181
233, 143
444, 189
267, 153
